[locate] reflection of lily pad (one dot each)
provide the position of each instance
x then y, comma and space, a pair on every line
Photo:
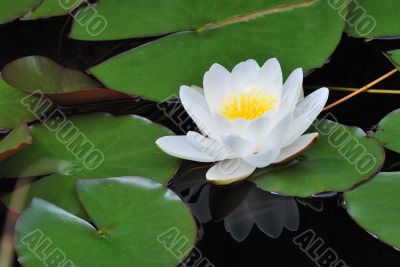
137, 223
388, 131
89, 146
342, 157
16, 140
225, 32
376, 207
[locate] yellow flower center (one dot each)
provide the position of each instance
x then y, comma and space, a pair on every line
248, 105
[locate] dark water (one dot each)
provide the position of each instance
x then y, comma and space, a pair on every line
241, 225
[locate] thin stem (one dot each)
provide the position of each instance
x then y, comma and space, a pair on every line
346, 89
359, 91
16, 203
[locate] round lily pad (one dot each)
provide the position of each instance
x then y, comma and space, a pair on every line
371, 18
375, 206
89, 146
224, 32
342, 157
134, 222
388, 131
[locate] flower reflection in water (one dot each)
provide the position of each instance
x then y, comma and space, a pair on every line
240, 206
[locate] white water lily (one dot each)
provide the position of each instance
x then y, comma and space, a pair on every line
248, 119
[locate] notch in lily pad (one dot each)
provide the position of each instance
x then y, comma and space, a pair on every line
135, 222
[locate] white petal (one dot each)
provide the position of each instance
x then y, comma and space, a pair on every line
305, 113
198, 89
238, 145
258, 130
264, 158
212, 148
224, 126
243, 75
229, 171
297, 148
196, 106
276, 136
178, 146
292, 90
215, 86
269, 78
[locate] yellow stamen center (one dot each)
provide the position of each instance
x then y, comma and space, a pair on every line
248, 105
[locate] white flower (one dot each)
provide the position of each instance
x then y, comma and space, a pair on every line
248, 119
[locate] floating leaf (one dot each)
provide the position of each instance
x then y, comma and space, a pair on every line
137, 223
45, 75
298, 33
89, 146
15, 141
388, 131
62, 85
51, 8
376, 207
342, 157
394, 57
371, 18
11, 9
12, 108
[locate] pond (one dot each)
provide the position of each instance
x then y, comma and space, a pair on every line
239, 224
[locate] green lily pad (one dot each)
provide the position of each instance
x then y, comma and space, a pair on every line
371, 18
15, 141
12, 109
342, 157
135, 18
137, 223
375, 206
51, 8
11, 9
88, 146
224, 33
394, 57
388, 131
44, 77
